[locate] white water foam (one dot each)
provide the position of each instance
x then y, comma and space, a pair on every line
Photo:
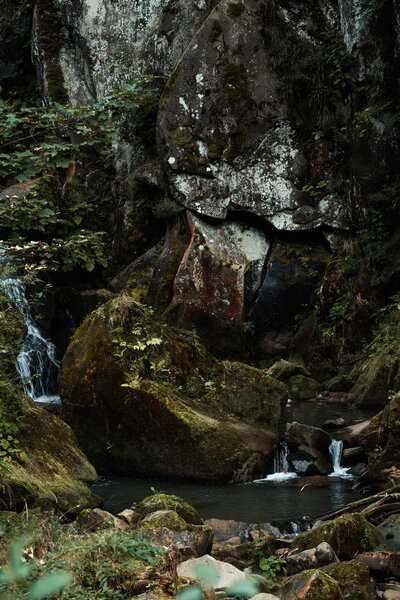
282, 471
37, 361
336, 451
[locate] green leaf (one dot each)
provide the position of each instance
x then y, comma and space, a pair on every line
49, 585
190, 593
243, 588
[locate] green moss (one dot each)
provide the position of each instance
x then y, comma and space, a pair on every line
163, 518
215, 31
348, 534
138, 383
235, 9
312, 585
49, 34
166, 502
353, 578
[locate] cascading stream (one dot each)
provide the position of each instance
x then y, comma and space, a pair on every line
282, 470
37, 362
336, 451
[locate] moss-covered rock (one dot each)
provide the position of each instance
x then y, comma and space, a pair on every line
301, 387
339, 383
354, 580
53, 472
130, 384
311, 585
348, 534
157, 502
378, 374
166, 529
247, 553
381, 442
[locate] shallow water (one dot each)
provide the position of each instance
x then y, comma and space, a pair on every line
252, 503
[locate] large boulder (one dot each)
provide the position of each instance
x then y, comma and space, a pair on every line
379, 374
52, 472
298, 434
381, 442
314, 558
382, 563
354, 580
130, 384
348, 535
311, 585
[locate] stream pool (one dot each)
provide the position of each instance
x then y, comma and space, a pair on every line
268, 501
252, 503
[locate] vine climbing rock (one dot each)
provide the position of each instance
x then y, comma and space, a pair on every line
146, 398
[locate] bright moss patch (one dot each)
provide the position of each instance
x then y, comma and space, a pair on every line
348, 534
354, 580
167, 502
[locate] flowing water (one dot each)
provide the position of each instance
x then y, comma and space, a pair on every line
282, 469
336, 451
37, 362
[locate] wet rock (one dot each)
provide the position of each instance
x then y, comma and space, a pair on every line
348, 535
353, 455
333, 424
298, 434
310, 461
354, 580
131, 382
314, 558
158, 502
311, 585
382, 563
264, 597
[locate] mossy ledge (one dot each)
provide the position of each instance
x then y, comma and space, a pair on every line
131, 384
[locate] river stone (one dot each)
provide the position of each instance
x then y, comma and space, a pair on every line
313, 558
298, 434
180, 393
264, 597
382, 563
167, 529
348, 535
228, 575
354, 580
333, 424
311, 585
160, 501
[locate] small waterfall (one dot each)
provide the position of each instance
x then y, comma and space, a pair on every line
336, 451
282, 470
37, 362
